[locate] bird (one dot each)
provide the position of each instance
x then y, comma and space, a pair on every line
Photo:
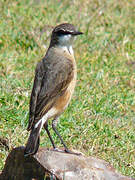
53, 87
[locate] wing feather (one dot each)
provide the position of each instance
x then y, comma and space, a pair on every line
34, 94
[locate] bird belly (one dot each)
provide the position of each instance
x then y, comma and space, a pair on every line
63, 100
60, 104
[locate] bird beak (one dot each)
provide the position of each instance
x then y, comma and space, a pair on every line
76, 33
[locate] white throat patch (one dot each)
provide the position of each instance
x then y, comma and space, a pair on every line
65, 43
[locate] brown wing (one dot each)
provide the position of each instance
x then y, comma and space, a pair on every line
51, 80
34, 94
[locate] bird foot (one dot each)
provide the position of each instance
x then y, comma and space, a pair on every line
71, 152
58, 150
66, 151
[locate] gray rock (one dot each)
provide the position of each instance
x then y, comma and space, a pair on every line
48, 164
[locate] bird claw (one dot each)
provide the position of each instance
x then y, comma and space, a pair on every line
66, 151
58, 150
71, 152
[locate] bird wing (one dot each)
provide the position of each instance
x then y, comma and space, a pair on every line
51, 80
34, 94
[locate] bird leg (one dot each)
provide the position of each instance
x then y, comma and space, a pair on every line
49, 135
54, 124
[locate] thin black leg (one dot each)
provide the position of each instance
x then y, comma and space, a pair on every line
56, 131
54, 124
49, 135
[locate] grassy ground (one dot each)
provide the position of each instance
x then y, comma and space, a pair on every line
100, 120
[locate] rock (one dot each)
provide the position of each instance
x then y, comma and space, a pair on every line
49, 165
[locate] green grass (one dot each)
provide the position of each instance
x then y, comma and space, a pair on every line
100, 120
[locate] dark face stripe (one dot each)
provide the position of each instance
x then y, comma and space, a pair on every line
66, 28
61, 32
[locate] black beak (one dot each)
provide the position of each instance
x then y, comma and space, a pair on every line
76, 33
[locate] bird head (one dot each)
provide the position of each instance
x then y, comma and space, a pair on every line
64, 34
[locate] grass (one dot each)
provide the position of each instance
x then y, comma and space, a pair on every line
100, 120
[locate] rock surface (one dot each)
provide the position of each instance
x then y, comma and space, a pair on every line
48, 164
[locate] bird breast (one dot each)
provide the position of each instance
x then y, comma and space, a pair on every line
63, 101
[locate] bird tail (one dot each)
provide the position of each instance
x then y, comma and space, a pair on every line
33, 142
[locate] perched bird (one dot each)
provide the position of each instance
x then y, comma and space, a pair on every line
54, 83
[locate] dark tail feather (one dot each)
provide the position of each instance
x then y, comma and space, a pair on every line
33, 142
